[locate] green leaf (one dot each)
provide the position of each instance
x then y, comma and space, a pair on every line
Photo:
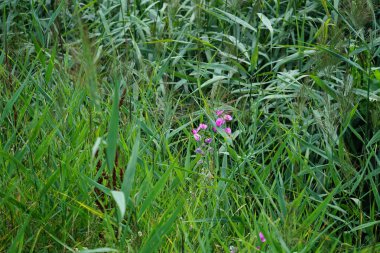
342, 58
18, 241
234, 19
375, 138
163, 228
210, 81
119, 198
10, 103
55, 14
101, 187
129, 175
325, 87
365, 225
113, 130
50, 67
44, 146
320, 210
266, 22
49, 183
154, 192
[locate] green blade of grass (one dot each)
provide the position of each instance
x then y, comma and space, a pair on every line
119, 198
162, 229
18, 241
10, 103
113, 130
320, 210
129, 175
154, 192
375, 138
365, 225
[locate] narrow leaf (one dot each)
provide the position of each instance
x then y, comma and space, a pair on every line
320, 210
129, 175
374, 139
120, 201
154, 192
365, 225
113, 130
266, 22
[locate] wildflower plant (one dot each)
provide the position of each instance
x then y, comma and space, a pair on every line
201, 134
208, 137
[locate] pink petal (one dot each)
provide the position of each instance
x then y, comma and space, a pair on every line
219, 122
203, 126
197, 137
228, 130
194, 131
262, 237
214, 129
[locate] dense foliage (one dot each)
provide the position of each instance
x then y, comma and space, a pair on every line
98, 100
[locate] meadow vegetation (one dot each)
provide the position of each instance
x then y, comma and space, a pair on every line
99, 100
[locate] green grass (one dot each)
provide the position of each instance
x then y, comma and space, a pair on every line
98, 100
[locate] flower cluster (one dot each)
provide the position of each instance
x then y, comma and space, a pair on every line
219, 122
196, 132
205, 137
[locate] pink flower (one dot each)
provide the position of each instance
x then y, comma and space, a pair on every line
214, 129
227, 117
194, 131
219, 112
262, 238
219, 122
228, 130
203, 126
208, 140
197, 137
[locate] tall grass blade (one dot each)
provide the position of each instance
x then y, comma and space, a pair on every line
113, 130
